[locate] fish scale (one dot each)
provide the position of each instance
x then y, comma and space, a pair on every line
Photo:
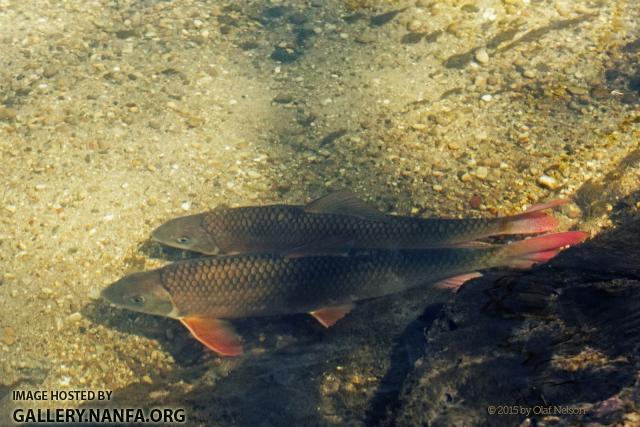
334, 224
258, 285
294, 223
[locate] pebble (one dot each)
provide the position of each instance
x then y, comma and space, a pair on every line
147, 379
46, 292
466, 177
482, 172
195, 121
482, 56
8, 114
548, 182
74, 317
414, 25
419, 126
8, 335
185, 206
437, 187
575, 90
475, 201
529, 73
330, 385
486, 97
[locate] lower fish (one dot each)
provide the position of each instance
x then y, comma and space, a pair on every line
204, 293
332, 225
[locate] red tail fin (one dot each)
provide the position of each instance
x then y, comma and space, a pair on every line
533, 220
525, 253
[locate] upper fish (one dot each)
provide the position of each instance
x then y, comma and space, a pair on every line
332, 225
205, 292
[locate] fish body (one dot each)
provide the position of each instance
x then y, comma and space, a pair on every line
203, 291
332, 225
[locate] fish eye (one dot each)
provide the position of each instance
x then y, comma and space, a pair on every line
183, 240
137, 299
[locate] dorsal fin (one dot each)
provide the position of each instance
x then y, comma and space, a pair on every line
329, 315
216, 334
345, 202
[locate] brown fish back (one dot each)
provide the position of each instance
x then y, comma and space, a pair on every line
279, 228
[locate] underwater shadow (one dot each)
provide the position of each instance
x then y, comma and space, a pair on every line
564, 333
409, 347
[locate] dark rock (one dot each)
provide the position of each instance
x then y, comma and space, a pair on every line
285, 56
384, 18
566, 334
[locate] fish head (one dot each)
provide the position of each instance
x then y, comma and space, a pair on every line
186, 233
142, 292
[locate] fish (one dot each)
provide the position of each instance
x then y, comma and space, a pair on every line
205, 293
332, 225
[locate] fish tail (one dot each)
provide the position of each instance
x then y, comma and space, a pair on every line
525, 253
533, 220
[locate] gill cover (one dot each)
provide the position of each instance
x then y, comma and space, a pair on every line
186, 233
141, 292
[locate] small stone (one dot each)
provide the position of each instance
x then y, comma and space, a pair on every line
419, 126
46, 293
475, 201
195, 121
74, 317
486, 97
366, 38
414, 25
482, 172
575, 90
529, 73
50, 71
8, 114
548, 182
437, 187
147, 379
466, 177
482, 56
330, 385
185, 206
8, 335
283, 98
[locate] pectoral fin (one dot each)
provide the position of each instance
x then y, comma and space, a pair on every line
345, 202
217, 335
455, 282
330, 315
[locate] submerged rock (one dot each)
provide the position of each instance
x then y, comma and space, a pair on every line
559, 341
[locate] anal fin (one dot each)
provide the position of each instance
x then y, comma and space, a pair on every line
215, 334
329, 315
454, 283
